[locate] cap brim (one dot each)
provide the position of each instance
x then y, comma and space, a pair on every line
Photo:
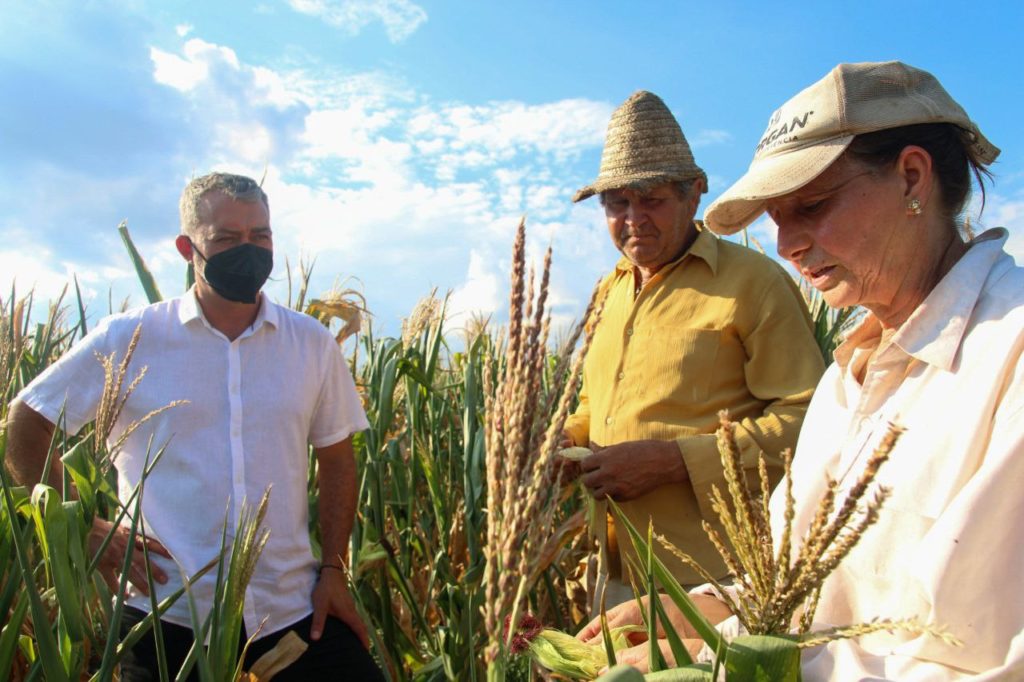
770, 177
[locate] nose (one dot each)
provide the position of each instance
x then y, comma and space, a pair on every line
793, 242
635, 213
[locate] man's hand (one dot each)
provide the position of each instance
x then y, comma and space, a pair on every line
628, 470
568, 469
112, 561
331, 596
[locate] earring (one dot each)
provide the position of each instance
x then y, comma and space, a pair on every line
914, 206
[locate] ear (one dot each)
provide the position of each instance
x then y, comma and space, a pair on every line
914, 166
184, 246
696, 190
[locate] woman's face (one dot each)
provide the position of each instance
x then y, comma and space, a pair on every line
845, 233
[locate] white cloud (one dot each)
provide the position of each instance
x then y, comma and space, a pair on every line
174, 71
204, 64
1004, 211
478, 135
481, 292
33, 272
375, 179
183, 29
185, 73
400, 18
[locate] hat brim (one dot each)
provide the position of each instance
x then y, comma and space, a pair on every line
770, 177
641, 182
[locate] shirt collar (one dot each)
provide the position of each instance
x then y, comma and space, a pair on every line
190, 311
705, 247
935, 330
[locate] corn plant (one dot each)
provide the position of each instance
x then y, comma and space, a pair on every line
523, 427
418, 558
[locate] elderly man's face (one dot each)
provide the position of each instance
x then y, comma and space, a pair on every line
651, 228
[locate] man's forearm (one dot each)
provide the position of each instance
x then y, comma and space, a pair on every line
29, 435
337, 505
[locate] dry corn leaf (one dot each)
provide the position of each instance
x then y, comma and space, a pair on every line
286, 652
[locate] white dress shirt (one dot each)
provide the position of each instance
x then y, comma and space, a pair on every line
254, 405
948, 547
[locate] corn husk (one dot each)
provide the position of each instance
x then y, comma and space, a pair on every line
563, 654
575, 454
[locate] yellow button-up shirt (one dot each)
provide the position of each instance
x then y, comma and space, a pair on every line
722, 327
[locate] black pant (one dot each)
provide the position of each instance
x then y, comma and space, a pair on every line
337, 655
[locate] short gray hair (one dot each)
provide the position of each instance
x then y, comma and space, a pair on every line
238, 187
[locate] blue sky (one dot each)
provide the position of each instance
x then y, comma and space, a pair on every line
401, 141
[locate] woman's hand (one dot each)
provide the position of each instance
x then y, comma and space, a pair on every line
629, 613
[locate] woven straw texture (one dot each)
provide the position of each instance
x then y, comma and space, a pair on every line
644, 148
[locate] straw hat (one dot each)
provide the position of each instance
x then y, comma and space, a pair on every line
644, 148
810, 131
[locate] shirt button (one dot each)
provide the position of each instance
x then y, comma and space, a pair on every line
622, 375
608, 420
629, 332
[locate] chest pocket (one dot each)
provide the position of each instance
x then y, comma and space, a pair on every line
680, 363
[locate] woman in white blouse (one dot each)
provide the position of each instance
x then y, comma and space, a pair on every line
867, 173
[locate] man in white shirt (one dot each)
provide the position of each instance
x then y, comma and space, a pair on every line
262, 384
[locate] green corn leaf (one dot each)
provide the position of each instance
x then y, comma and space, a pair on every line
52, 523
679, 651
48, 652
692, 673
106, 671
655, 660
622, 673
763, 658
606, 635
81, 309
671, 586
80, 466
141, 269
9, 637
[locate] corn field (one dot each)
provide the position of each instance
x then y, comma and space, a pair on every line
419, 541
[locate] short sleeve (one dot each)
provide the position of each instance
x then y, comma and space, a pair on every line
339, 410
68, 392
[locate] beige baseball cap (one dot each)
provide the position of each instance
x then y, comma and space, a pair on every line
810, 131
643, 148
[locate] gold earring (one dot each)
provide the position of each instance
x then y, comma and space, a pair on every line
914, 206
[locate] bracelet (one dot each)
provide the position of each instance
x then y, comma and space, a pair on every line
337, 568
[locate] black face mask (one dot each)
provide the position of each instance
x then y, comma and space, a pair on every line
238, 273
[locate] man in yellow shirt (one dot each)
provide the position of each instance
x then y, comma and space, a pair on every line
691, 325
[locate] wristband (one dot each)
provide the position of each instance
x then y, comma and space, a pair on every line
337, 568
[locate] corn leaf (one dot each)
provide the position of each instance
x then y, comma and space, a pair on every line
692, 673
141, 269
9, 636
622, 673
48, 651
678, 595
767, 658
